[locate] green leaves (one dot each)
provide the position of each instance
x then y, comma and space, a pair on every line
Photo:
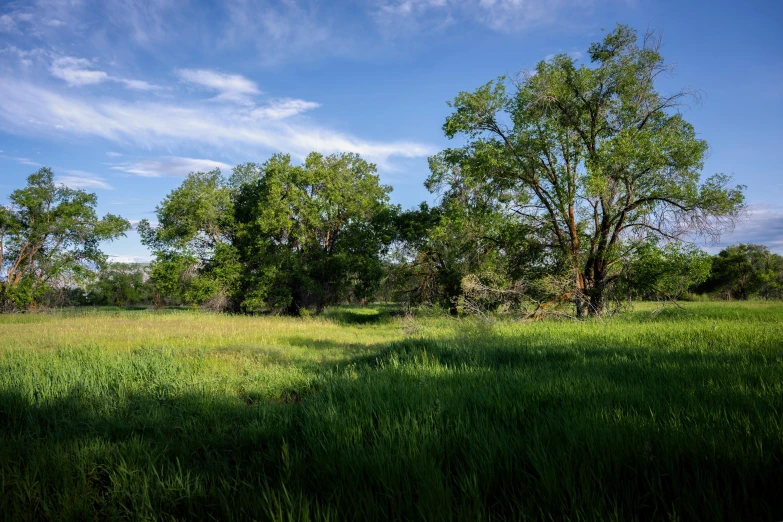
666, 271
317, 230
595, 156
50, 234
746, 270
274, 236
476, 111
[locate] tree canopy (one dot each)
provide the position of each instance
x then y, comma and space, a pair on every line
50, 235
275, 236
746, 270
594, 158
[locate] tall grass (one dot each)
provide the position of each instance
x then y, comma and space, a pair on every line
362, 415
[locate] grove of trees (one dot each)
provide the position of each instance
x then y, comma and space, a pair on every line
572, 187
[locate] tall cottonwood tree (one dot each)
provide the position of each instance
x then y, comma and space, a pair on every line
597, 158
50, 234
309, 235
273, 237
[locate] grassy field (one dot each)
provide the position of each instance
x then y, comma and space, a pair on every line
361, 415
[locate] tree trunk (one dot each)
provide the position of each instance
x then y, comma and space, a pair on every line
580, 300
597, 300
590, 295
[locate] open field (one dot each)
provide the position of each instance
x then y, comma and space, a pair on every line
363, 415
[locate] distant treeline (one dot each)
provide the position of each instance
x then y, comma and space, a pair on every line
738, 272
572, 191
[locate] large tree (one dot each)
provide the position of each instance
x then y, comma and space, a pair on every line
597, 159
50, 234
310, 235
275, 236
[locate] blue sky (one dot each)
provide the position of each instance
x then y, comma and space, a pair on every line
125, 97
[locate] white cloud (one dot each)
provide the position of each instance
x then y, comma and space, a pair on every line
138, 85
31, 16
283, 108
34, 110
23, 161
80, 71
230, 87
78, 179
406, 7
498, 15
171, 166
277, 31
7, 23
76, 71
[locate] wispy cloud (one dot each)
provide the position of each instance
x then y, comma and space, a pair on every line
77, 72
78, 179
230, 87
170, 166
137, 85
30, 109
283, 108
515, 15
7, 23
23, 161
37, 16
498, 15
283, 30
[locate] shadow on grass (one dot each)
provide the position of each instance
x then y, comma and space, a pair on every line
426, 429
352, 315
329, 344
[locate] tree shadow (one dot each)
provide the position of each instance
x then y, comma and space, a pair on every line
353, 316
329, 344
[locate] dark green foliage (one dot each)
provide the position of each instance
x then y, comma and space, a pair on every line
275, 237
664, 272
195, 260
50, 238
746, 270
311, 235
472, 231
121, 284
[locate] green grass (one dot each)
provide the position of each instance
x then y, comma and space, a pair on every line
364, 415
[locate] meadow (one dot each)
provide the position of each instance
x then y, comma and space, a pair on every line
364, 414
